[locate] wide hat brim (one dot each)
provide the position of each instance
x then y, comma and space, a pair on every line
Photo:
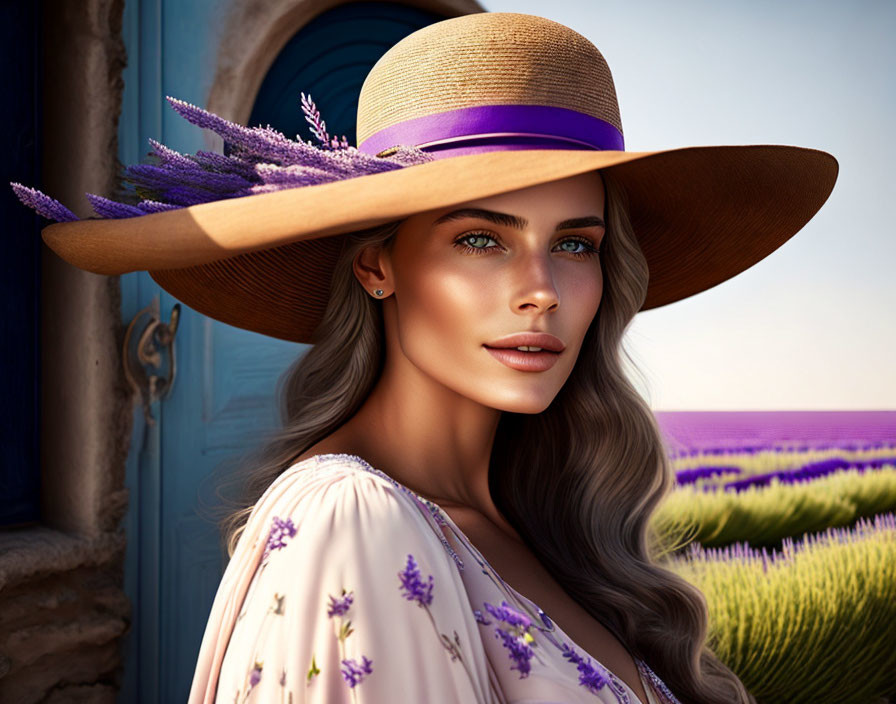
264, 262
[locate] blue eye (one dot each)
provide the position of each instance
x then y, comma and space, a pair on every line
474, 236
587, 247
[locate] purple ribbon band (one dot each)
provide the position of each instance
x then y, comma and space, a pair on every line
498, 127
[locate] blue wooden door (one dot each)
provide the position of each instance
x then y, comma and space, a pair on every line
222, 397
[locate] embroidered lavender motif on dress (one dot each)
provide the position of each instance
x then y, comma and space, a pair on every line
338, 607
415, 588
280, 530
353, 672
517, 639
593, 677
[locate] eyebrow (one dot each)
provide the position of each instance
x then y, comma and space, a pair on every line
516, 221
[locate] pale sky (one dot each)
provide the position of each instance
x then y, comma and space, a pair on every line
813, 325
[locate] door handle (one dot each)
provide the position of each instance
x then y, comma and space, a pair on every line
145, 341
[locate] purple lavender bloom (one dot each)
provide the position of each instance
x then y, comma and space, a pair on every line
261, 160
110, 209
295, 175
153, 177
415, 588
212, 161
280, 530
266, 142
170, 156
318, 126
690, 476
186, 195
516, 643
518, 650
44, 205
508, 614
338, 607
354, 672
589, 676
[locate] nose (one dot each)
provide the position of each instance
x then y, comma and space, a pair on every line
534, 283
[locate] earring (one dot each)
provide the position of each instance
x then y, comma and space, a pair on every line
378, 292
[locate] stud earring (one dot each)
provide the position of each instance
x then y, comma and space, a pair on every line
378, 292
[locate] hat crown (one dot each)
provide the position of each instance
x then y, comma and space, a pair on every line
486, 58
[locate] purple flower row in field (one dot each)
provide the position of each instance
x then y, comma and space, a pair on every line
742, 552
765, 447
807, 472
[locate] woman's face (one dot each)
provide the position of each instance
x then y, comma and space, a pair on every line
462, 281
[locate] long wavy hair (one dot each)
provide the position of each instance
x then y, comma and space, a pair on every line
578, 481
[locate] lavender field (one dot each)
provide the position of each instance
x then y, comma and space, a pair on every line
785, 522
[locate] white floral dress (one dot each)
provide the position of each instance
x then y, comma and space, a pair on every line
346, 587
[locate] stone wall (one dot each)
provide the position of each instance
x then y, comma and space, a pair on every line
63, 610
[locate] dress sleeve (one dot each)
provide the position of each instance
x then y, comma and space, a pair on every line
357, 599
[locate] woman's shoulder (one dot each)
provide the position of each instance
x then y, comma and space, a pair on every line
346, 494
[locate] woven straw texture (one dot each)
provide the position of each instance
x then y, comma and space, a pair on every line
486, 59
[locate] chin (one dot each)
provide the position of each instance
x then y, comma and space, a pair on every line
515, 402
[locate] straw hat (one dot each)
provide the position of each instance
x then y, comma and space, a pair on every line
462, 109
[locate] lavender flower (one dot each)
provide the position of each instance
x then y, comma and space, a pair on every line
508, 614
261, 160
517, 638
589, 677
318, 126
280, 530
415, 588
518, 650
44, 205
690, 476
354, 672
110, 209
338, 607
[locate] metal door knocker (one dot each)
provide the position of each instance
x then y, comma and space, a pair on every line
146, 337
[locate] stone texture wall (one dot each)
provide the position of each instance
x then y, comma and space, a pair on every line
63, 610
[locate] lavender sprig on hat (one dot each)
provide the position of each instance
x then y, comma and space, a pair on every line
261, 160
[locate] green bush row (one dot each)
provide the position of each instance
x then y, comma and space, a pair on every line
815, 622
764, 516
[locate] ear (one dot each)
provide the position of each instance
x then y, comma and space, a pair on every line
373, 268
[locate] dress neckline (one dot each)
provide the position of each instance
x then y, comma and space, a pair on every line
437, 510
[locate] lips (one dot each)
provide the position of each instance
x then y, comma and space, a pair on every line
528, 339
524, 361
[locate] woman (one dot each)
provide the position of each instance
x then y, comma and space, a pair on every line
443, 518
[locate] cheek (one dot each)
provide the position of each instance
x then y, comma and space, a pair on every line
439, 314
582, 292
